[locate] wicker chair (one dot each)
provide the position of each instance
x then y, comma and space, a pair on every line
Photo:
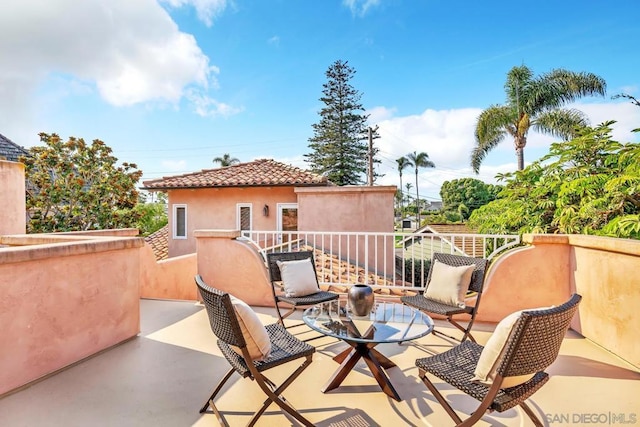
284, 348
476, 286
533, 345
293, 302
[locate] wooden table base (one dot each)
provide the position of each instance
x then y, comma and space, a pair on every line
375, 360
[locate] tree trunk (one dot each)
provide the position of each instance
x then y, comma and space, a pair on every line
417, 199
520, 156
520, 142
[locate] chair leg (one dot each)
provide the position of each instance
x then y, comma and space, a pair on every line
210, 404
275, 395
423, 376
466, 331
527, 410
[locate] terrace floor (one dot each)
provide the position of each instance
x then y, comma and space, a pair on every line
163, 376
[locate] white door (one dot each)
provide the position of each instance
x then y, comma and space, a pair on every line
287, 221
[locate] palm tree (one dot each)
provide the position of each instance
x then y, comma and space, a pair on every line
402, 162
419, 160
408, 186
534, 102
226, 160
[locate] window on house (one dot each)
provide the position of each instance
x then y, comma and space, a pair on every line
243, 217
179, 221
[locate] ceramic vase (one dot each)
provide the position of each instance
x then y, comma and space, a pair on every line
361, 299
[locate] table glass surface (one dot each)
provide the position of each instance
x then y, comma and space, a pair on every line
388, 322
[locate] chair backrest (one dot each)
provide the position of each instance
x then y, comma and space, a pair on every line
222, 315
534, 342
273, 258
477, 279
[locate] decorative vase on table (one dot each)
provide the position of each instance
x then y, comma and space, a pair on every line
361, 299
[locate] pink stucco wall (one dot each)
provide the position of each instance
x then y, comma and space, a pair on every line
61, 302
352, 209
12, 198
605, 273
210, 208
167, 279
233, 266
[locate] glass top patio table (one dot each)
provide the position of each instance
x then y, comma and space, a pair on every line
388, 322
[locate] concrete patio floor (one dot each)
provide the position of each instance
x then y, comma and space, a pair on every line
163, 376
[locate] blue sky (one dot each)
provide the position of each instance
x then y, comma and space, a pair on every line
171, 84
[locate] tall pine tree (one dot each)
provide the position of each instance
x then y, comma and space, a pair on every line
339, 144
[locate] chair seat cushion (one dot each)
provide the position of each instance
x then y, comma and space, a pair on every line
491, 356
456, 367
298, 277
284, 348
254, 333
449, 284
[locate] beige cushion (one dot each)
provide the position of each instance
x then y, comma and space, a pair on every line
448, 284
253, 331
492, 354
298, 278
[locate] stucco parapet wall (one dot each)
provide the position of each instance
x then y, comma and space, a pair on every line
609, 244
347, 189
34, 247
228, 234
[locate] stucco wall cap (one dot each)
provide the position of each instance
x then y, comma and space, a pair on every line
609, 244
347, 189
549, 239
229, 234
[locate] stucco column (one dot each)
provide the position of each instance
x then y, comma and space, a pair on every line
12, 198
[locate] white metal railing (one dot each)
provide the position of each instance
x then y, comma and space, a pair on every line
382, 260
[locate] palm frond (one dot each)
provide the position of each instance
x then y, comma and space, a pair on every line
560, 123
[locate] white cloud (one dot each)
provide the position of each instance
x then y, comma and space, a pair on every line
206, 106
275, 41
360, 7
174, 165
129, 52
378, 114
206, 10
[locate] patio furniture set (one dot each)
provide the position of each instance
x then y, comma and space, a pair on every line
503, 374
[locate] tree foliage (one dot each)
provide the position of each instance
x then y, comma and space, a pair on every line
151, 217
534, 103
75, 186
226, 160
589, 185
339, 145
463, 196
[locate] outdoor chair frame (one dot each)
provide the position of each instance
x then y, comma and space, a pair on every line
476, 286
293, 302
284, 348
532, 346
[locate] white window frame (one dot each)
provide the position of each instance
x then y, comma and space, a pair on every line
174, 232
239, 207
280, 207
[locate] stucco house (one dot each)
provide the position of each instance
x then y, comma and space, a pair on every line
268, 195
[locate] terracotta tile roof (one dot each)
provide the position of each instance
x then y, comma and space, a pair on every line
263, 172
159, 242
331, 269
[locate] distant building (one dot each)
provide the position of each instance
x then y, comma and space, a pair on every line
434, 205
